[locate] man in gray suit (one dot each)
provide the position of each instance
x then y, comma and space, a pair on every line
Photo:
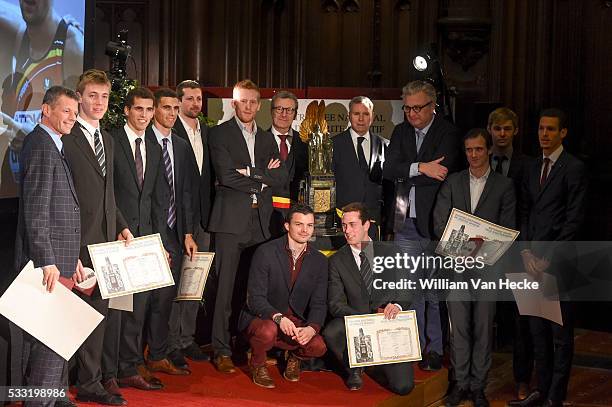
49, 225
490, 196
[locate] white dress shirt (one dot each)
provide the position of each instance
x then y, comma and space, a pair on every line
278, 140
477, 185
195, 139
553, 157
365, 145
143, 151
160, 139
89, 132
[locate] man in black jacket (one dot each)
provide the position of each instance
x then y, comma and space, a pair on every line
359, 157
423, 151
247, 165
286, 297
350, 294
293, 152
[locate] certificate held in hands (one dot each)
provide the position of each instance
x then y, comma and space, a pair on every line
140, 266
194, 273
373, 340
60, 319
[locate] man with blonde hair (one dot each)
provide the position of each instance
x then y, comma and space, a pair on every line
247, 164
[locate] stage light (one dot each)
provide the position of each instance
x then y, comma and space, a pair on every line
420, 62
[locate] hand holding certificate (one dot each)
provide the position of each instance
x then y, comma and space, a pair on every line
193, 276
374, 340
140, 266
469, 235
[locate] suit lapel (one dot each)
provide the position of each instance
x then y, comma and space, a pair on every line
556, 169
85, 147
151, 167
68, 175
465, 186
127, 150
177, 158
428, 140
283, 260
240, 143
487, 188
353, 271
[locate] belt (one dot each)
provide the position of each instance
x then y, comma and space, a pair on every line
254, 205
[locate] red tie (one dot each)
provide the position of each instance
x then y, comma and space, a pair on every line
545, 172
284, 148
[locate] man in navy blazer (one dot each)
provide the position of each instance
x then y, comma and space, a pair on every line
358, 161
286, 298
49, 225
552, 210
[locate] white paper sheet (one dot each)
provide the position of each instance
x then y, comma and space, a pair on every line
60, 320
538, 303
123, 303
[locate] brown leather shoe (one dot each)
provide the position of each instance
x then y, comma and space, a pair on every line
148, 376
292, 371
137, 382
165, 366
224, 364
522, 390
112, 387
261, 377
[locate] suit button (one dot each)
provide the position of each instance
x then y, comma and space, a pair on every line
76, 208
76, 230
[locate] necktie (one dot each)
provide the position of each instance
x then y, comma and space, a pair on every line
363, 164
170, 180
366, 272
139, 164
419, 139
545, 171
99, 152
284, 148
500, 160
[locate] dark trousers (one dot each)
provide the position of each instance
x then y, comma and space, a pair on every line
264, 334
160, 303
44, 369
89, 355
229, 248
112, 341
522, 353
397, 377
553, 353
471, 342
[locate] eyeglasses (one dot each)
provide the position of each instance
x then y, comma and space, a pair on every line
415, 109
280, 109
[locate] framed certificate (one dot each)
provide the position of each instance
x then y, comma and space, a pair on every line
373, 340
121, 269
469, 235
194, 274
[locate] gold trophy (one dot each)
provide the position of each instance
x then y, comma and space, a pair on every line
318, 190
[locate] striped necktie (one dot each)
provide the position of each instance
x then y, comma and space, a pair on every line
99, 152
366, 272
170, 180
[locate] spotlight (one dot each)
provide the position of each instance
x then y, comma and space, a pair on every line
420, 62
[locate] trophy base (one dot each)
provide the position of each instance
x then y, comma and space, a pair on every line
319, 192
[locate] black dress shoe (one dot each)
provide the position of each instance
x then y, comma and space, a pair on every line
354, 380
552, 403
106, 399
177, 358
194, 353
479, 398
532, 400
456, 396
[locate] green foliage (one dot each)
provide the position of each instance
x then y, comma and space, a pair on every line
206, 121
114, 117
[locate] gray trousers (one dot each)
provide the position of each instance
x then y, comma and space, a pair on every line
184, 314
471, 341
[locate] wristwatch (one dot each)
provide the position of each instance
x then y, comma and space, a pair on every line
277, 318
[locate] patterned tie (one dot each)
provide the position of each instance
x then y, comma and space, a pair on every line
366, 272
545, 171
170, 179
99, 152
500, 160
284, 148
363, 164
139, 164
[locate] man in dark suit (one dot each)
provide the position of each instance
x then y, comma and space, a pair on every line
49, 226
247, 164
350, 292
423, 151
293, 152
286, 299
503, 127
358, 161
138, 173
490, 196
187, 126
177, 232
89, 153
552, 210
